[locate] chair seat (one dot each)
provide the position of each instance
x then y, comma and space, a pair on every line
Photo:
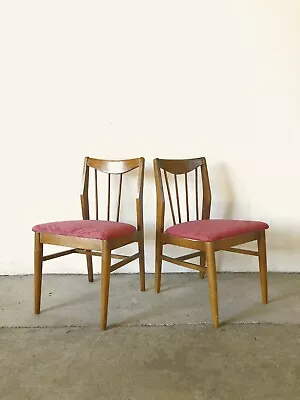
88, 229
214, 229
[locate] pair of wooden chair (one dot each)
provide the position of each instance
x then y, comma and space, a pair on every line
190, 228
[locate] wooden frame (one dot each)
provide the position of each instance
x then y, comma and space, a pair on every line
205, 250
95, 247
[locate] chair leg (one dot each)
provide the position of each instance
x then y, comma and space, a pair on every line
105, 277
142, 262
262, 257
89, 261
38, 264
202, 264
212, 281
158, 263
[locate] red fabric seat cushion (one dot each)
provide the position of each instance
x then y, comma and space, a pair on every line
88, 229
210, 230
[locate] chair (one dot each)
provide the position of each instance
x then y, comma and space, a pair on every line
204, 235
96, 237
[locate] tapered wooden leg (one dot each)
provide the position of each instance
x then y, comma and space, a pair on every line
202, 264
89, 262
105, 277
158, 263
212, 281
262, 256
142, 263
38, 264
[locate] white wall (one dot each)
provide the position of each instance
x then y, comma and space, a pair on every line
159, 78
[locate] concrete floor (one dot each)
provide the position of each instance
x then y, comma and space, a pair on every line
70, 300
253, 355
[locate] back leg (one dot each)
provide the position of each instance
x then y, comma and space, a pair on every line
262, 256
158, 264
202, 263
89, 261
142, 263
38, 264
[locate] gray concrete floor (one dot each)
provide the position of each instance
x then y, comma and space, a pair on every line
62, 354
70, 300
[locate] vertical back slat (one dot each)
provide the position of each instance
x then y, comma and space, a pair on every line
187, 196
177, 198
96, 195
170, 197
108, 198
119, 197
197, 193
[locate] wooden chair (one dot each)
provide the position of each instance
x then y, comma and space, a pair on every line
95, 237
204, 235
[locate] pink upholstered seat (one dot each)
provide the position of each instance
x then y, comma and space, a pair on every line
215, 229
89, 229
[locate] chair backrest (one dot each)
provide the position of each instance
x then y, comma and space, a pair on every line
174, 178
114, 170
